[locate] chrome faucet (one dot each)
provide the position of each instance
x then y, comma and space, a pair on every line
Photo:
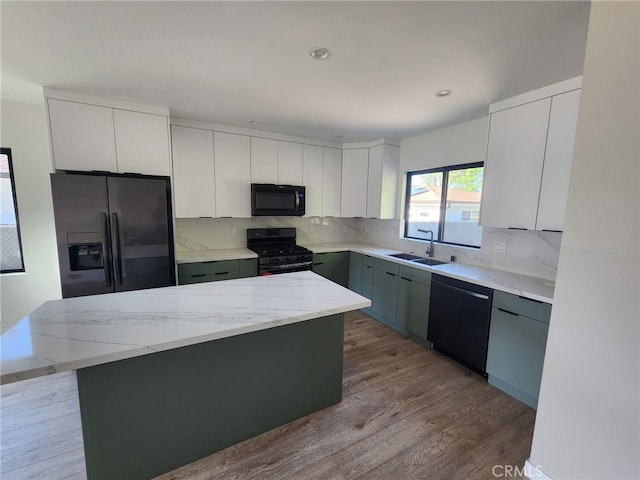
429, 251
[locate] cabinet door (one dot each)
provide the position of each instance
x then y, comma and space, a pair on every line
248, 267
193, 176
312, 179
367, 284
557, 161
323, 264
341, 268
264, 160
356, 267
290, 163
513, 170
385, 294
82, 136
374, 182
516, 352
355, 166
142, 143
413, 306
331, 182
232, 160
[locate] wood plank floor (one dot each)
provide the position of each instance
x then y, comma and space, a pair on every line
407, 413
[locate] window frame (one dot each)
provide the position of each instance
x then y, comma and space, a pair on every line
443, 203
7, 152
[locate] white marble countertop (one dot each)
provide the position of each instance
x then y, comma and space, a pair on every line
215, 255
80, 332
517, 284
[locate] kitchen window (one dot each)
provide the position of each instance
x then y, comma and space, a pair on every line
10, 244
446, 201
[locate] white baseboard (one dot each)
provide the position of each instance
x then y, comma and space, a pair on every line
532, 472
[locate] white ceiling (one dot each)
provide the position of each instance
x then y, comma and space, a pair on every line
233, 62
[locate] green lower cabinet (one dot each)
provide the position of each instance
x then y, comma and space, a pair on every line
413, 306
200, 272
384, 302
248, 267
517, 344
367, 284
323, 264
341, 262
356, 267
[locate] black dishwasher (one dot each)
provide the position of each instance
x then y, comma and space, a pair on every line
459, 314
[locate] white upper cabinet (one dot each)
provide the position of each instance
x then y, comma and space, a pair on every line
264, 160
289, 163
331, 182
355, 166
529, 155
513, 169
232, 160
142, 143
109, 135
312, 166
557, 161
382, 185
82, 136
193, 173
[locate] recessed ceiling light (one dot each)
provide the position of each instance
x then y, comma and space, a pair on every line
319, 53
443, 93
254, 122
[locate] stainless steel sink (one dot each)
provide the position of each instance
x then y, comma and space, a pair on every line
429, 261
407, 256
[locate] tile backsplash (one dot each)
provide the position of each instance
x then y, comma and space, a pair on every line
528, 252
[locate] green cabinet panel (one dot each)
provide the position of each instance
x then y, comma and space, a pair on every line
523, 306
341, 268
248, 267
517, 344
200, 272
356, 267
368, 260
385, 265
186, 279
323, 264
413, 305
367, 284
384, 301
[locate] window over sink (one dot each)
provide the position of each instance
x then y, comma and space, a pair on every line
446, 201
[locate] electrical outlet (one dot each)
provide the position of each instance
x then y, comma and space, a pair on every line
234, 231
310, 228
500, 247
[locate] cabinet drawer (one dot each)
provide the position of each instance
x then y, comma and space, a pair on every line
522, 306
415, 274
368, 260
188, 269
195, 278
385, 265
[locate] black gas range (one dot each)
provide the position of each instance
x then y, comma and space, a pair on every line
277, 250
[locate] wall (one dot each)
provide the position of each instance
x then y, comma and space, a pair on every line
24, 130
588, 421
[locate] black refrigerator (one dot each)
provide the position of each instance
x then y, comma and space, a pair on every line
114, 232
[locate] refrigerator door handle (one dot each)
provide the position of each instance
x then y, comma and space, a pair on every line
116, 250
106, 232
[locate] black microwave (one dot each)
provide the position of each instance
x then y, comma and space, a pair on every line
277, 200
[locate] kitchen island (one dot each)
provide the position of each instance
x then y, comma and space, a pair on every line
169, 375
